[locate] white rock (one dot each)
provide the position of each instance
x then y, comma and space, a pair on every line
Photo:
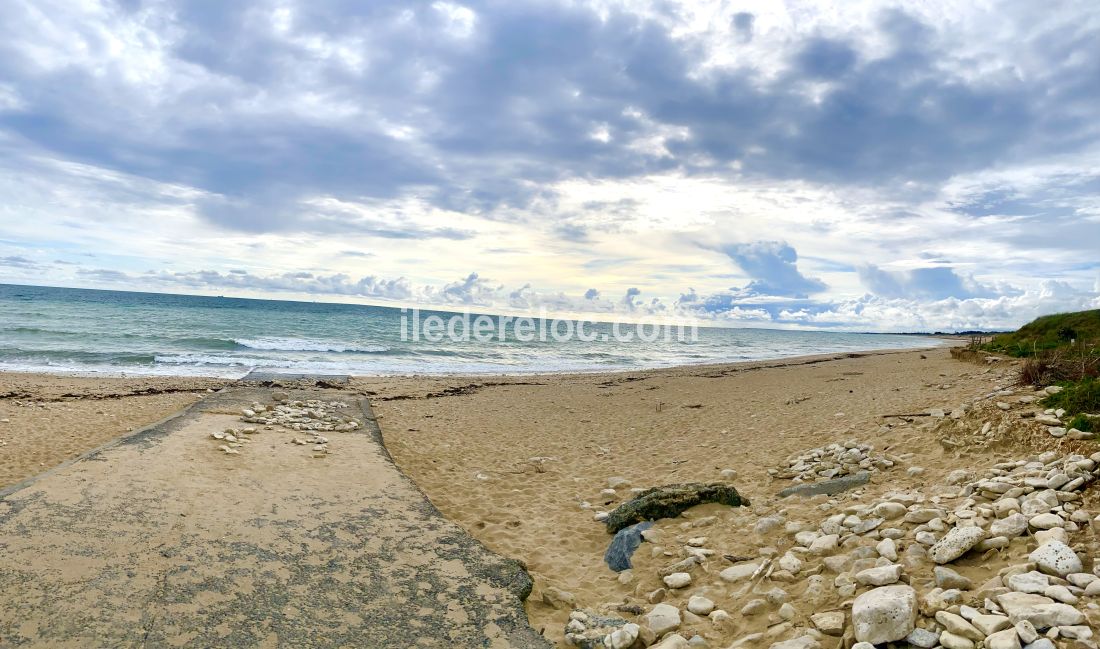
1042, 612
958, 625
624, 636
887, 549
1060, 593
663, 618
1010, 526
949, 640
948, 578
1081, 579
787, 611
889, 510
790, 563
885, 614
825, 544
805, 642
739, 572
879, 576
990, 624
678, 580
672, 641
955, 543
1006, 639
923, 638
830, 623
1056, 558
1028, 582
700, 605
1026, 631
1046, 521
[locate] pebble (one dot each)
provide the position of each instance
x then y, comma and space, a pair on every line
700, 605
678, 580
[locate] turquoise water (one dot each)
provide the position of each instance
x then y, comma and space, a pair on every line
77, 330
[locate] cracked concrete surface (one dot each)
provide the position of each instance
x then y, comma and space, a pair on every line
161, 540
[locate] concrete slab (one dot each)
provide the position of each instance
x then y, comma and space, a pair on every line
162, 540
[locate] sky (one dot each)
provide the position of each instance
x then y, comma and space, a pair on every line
892, 166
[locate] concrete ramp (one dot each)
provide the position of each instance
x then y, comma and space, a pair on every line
162, 539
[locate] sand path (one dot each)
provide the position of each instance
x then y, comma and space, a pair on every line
162, 540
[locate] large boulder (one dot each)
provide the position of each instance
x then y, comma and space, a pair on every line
885, 614
623, 545
669, 502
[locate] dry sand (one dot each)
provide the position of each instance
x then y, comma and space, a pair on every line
46, 419
469, 444
522, 462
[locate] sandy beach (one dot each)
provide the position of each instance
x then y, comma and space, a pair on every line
527, 465
48, 419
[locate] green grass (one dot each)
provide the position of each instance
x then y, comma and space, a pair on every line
1049, 332
1081, 422
1076, 398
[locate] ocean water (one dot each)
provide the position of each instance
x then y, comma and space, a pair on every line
77, 330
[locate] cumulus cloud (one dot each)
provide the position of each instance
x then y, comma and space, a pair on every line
605, 137
932, 283
772, 265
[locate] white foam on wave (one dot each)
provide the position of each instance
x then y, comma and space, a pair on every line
306, 345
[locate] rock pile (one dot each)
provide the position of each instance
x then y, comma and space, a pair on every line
310, 417
833, 461
880, 571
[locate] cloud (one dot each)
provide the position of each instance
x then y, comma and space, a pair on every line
374, 100
563, 144
772, 265
18, 261
931, 283
338, 284
743, 26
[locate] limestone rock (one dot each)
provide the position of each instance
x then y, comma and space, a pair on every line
879, 576
700, 605
955, 544
948, 578
1056, 558
830, 623
884, 614
663, 618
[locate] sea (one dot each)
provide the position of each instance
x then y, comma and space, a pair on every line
68, 330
